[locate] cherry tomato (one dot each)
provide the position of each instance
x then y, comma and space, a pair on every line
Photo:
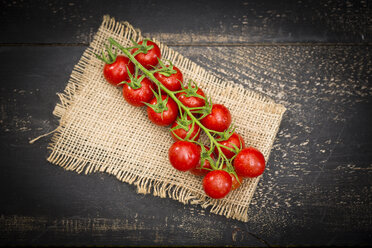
219, 119
137, 97
116, 72
184, 155
166, 117
192, 101
149, 59
235, 183
201, 170
180, 132
249, 162
173, 82
234, 139
217, 184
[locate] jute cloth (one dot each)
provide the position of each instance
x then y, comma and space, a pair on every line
100, 132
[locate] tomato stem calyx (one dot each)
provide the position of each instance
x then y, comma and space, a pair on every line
141, 48
191, 90
134, 81
161, 104
165, 70
226, 134
110, 57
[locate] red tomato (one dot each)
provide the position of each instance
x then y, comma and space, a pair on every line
184, 155
116, 72
217, 184
166, 117
235, 183
149, 59
201, 170
192, 101
137, 97
234, 139
219, 119
249, 162
173, 82
180, 132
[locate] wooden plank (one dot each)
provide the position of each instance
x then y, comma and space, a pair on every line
185, 22
316, 190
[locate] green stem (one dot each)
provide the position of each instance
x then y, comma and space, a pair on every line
172, 95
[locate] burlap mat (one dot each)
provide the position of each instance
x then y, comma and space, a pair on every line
100, 132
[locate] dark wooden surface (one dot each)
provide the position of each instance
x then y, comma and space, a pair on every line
313, 57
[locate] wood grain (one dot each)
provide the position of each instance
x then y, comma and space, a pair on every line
316, 190
313, 57
190, 22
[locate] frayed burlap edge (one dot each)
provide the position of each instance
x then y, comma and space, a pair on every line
146, 185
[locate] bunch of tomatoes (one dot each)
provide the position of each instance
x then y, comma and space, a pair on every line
148, 81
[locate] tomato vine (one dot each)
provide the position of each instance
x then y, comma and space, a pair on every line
222, 159
189, 111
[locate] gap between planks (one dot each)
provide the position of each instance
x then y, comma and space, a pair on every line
200, 44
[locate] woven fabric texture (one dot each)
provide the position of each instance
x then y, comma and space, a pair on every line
100, 132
